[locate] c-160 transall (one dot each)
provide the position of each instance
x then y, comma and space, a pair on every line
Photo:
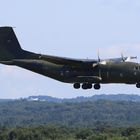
82, 73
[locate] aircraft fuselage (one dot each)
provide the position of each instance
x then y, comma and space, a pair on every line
111, 72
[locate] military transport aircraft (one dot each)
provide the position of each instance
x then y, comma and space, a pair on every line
79, 72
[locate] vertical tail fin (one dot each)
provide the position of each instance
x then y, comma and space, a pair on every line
9, 45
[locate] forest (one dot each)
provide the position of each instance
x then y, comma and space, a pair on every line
114, 113
90, 120
53, 132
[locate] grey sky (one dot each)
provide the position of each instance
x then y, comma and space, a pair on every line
70, 28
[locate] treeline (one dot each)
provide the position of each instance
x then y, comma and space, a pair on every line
50, 132
24, 113
110, 97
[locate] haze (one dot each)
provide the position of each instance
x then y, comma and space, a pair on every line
70, 28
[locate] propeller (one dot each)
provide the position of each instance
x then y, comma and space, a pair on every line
122, 56
99, 60
127, 59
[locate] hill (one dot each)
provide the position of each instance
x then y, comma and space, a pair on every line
114, 113
113, 97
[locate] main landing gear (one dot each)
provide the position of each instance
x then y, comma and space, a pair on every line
86, 86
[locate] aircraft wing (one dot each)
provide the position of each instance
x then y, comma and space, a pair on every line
67, 61
117, 59
125, 59
77, 62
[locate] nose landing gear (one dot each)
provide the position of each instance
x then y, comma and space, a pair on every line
138, 85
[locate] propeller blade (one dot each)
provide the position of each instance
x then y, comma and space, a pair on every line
99, 60
123, 59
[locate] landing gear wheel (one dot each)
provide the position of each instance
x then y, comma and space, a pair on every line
84, 86
76, 85
87, 86
138, 85
97, 86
